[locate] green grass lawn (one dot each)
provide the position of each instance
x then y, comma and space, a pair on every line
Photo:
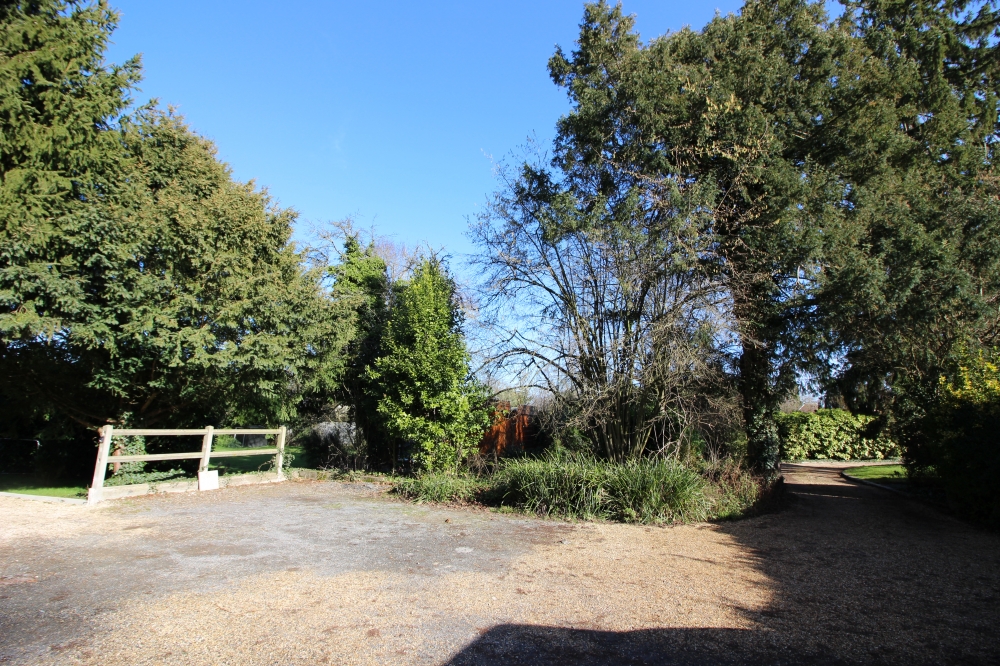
879, 473
925, 487
30, 484
259, 463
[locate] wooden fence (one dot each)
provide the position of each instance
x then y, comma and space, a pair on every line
511, 431
104, 457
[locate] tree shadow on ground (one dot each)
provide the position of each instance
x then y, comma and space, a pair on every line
513, 644
856, 575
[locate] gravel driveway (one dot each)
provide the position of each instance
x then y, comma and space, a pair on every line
316, 573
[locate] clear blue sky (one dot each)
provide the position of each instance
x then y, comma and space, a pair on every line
385, 111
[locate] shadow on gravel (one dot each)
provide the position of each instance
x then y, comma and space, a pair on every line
521, 644
856, 575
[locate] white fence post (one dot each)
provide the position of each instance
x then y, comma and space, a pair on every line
97, 485
280, 459
206, 449
207, 480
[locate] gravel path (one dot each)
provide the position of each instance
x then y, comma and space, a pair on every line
315, 573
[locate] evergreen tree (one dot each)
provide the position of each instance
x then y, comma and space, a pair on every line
916, 269
196, 307
58, 106
361, 282
139, 283
426, 397
58, 152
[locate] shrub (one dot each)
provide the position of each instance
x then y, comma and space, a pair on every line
735, 490
439, 487
129, 446
833, 434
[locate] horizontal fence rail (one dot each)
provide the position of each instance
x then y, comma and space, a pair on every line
208, 433
132, 432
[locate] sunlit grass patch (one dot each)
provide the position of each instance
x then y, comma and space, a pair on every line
878, 473
28, 484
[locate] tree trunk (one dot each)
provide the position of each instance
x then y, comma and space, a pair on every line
760, 405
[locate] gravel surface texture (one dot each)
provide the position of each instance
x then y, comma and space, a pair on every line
334, 573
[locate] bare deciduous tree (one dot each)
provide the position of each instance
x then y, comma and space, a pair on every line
608, 307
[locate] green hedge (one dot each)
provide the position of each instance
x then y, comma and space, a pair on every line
958, 439
831, 434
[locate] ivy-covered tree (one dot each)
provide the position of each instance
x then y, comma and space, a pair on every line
426, 396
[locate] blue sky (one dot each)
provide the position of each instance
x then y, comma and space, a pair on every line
390, 112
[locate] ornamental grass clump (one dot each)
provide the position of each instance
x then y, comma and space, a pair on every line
655, 491
439, 487
637, 491
567, 488
580, 487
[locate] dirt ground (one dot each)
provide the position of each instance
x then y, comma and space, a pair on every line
329, 573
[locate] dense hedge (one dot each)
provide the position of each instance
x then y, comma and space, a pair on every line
958, 440
831, 434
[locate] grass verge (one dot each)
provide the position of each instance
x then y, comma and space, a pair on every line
878, 473
925, 487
